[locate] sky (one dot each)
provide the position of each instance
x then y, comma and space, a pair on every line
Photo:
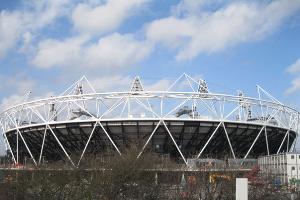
233, 44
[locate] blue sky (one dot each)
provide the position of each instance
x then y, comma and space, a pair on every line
234, 45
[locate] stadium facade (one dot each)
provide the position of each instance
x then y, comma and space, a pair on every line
185, 121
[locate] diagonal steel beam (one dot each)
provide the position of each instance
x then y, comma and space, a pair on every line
8, 144
43, 143
282, 141
254, 142
178, 149
61, 146
267, 142
109, 137
26, 146
114, 106
288, 143
226, 133
146, 107
212, 135
10, 149
87, 143
59, 143
150, 137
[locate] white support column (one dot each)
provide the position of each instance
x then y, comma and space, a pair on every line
267, 142
27, 148
226, 133
178, 149
283, 141
288, 143
61, 146
52, 132
150, 137
17, 147
254, 142
260, 103
10, 149
109, 138
87, 143
212, 135
294, 145
42, 148
19, 133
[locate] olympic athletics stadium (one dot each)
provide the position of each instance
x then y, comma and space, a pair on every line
181, 123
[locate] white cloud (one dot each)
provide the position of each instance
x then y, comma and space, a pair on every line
19, 88
15, 87
190, 7
295, 67
110, 53
18, 24
53, 53
295, 86
26, 41
105, 17
46, 12
9, 30
18, 83
212, 31
116, 51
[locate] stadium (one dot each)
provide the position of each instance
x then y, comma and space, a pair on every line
185, 121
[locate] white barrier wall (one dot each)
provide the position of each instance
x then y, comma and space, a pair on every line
241, 191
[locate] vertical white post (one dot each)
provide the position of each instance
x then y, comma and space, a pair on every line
288, 143
226, 133
10, 149
17, 147
241, 190
43, 143
267, 142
